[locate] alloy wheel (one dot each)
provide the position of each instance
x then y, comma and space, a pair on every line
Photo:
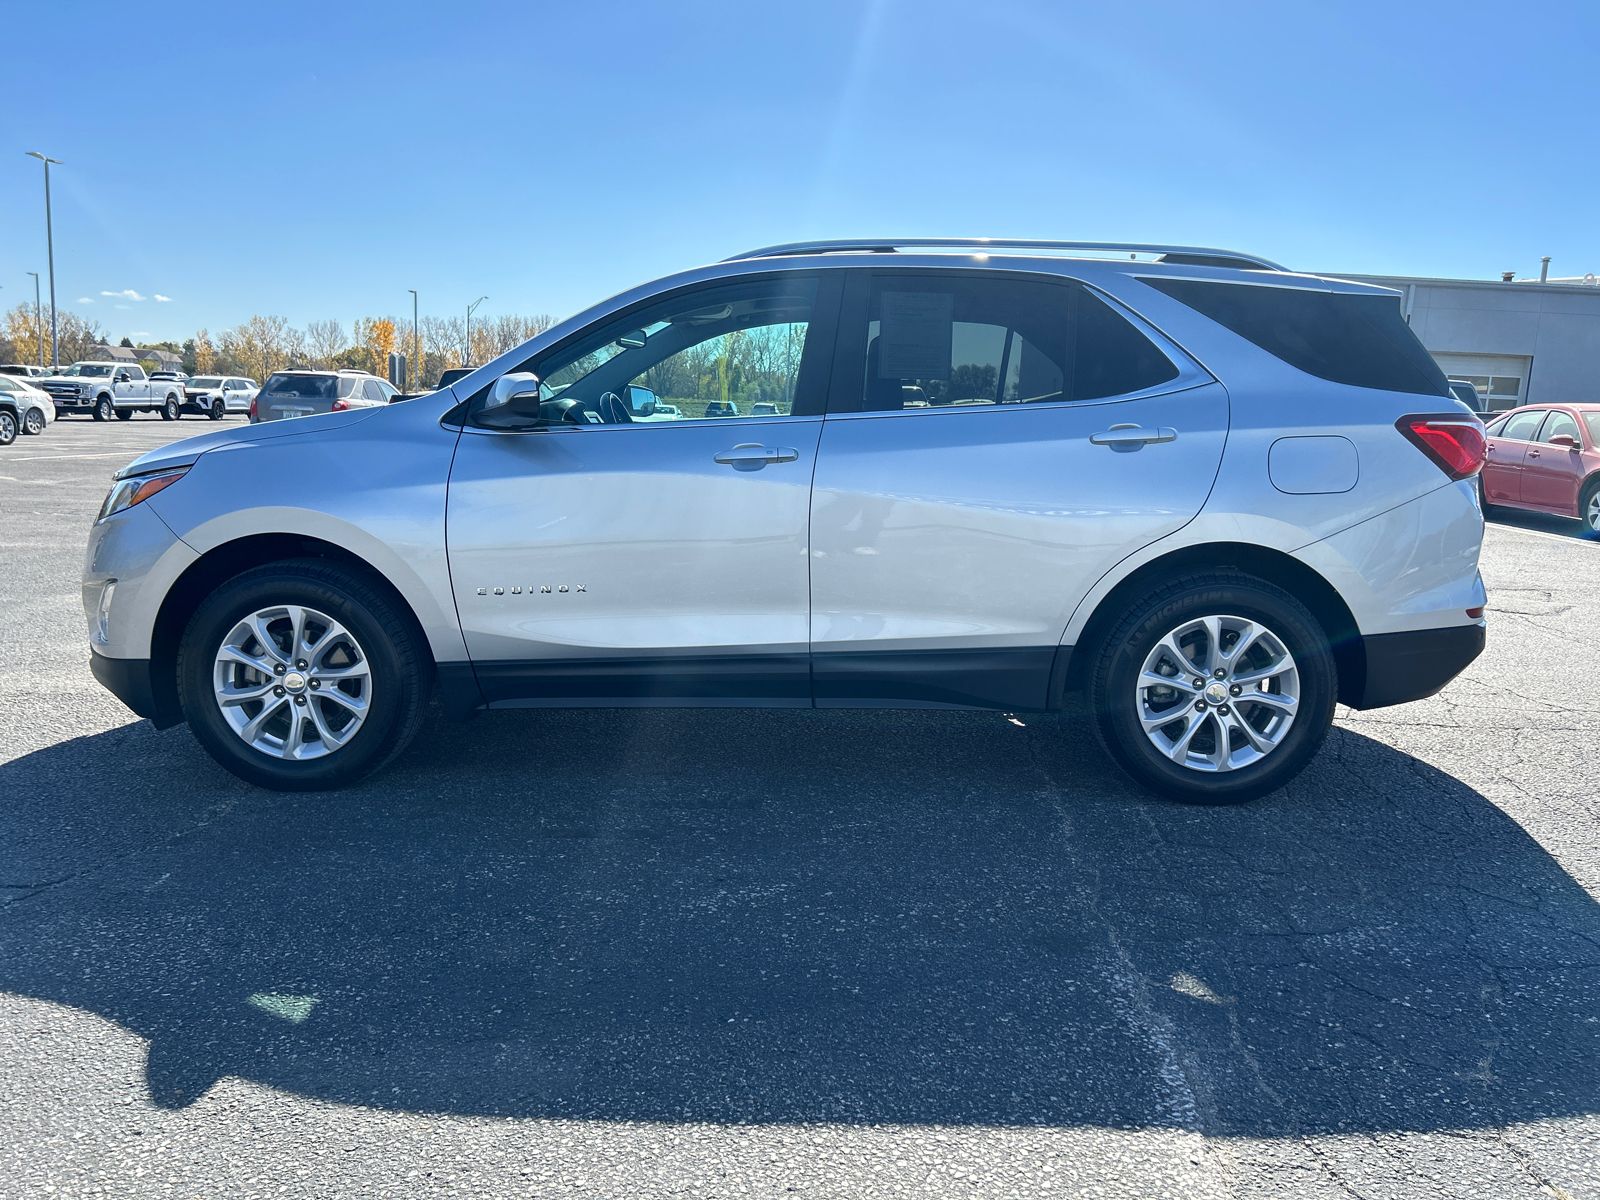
34, 422
1217, 693
1591, 516
292, 682
8, 429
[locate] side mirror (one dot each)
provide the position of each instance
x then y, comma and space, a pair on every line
122, 377
513, 399
632, 341
1564, 439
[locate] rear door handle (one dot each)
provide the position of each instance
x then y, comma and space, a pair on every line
752, 456
1132, 435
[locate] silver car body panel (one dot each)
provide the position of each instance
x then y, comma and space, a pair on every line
631, 541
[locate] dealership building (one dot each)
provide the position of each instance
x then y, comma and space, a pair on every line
1518, 342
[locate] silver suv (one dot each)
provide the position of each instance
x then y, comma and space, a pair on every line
1209, 495
306, 393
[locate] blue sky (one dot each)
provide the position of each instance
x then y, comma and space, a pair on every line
317, 160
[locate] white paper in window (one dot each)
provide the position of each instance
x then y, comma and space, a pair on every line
914, 335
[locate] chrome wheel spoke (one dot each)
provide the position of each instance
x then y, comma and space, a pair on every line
230, 694
1157, 720
1179, 749
234, 654
252, 728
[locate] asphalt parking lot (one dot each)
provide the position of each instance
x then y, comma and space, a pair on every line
720, 953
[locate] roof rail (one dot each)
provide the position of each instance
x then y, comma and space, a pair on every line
1195, 256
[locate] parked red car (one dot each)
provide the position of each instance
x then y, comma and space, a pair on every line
1546, 458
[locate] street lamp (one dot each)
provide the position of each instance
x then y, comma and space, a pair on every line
416, 345
38, 316
470, 308
50, 246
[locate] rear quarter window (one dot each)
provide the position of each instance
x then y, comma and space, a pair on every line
1344, 337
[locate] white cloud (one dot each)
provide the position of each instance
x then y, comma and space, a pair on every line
84, 300
126, 293
160, 299
140, 333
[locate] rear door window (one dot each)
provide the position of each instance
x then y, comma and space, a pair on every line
1557, 423
372, 391
951, 340
1522, 426
1346, 337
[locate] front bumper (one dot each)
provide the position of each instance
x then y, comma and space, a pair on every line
1401, 667
129, 680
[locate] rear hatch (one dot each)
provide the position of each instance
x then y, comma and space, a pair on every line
286, 396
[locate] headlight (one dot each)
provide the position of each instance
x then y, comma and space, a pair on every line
125, 493
83, 388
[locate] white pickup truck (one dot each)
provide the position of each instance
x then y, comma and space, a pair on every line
104, 388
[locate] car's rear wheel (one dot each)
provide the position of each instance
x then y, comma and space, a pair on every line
1214, 688
8, 428
169, 410
103, 409
301, 676
33, 422
217, 410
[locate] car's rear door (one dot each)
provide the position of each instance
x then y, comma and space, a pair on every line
994, 444
605, 560
1502, 466
1552, 474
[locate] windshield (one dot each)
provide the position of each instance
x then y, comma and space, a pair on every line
97, 370
306, 387
205, 381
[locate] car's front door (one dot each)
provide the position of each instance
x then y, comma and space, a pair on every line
600, 556
127, 386
1552, 472
994, 444
1502, 465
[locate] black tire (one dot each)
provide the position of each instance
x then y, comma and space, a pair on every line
103, 408
217, 410
124, 414
8, 428
34, 422
1119, 657
170, 410
400, 665
1588, 511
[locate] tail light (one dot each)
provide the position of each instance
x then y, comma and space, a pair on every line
252, 408
1456, 444
340, 406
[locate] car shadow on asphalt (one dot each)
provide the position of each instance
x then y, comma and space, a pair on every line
767, 916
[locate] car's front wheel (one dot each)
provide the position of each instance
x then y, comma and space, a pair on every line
8, 428
1589, 508
1214, 688
33, 422
103, 409
301, 676
217, 410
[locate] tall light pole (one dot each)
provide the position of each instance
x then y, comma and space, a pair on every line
415, 373
470, 307
38, 316
50, 249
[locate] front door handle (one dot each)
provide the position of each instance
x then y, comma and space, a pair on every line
752, 456
1128, 437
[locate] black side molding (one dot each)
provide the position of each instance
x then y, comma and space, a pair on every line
1007, 678
1402, 667
129, 680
